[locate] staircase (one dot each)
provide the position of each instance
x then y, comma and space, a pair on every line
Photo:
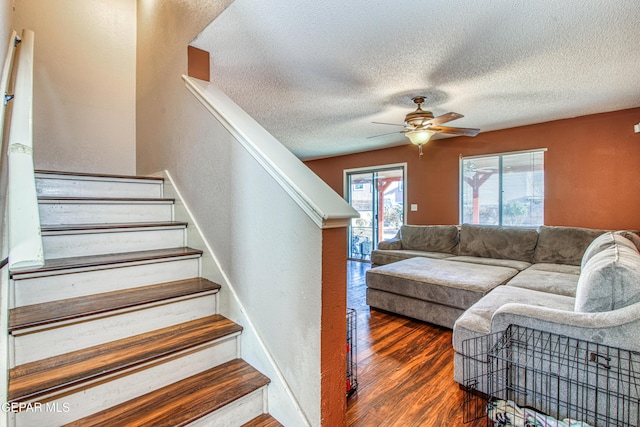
118, 328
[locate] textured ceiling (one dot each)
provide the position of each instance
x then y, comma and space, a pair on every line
317, 73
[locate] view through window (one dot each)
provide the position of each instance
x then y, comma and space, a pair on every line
378, 196
503, 189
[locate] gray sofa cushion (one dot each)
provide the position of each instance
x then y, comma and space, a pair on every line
556, 268
610, 279
476, 320
382, 257
633, 236
511, 263
391, 244
602, 242
597, 245
554, 282
563, 245
453, 284
430, 238
488, 241
426, 311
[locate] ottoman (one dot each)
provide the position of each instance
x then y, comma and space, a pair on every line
433, 290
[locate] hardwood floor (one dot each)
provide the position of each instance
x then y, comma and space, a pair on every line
404, 368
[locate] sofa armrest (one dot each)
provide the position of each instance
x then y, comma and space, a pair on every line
617, 328
393, 243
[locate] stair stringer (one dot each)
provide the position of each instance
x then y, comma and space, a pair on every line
282, 402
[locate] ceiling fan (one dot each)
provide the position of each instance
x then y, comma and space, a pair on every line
420, 125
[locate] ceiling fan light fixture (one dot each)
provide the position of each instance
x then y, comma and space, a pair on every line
419, 136
420, 125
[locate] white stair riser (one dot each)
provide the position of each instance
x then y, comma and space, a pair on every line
38, 343
236, 413
60, 339
97, 187
98, 213
129, 385
37, 290
74, 245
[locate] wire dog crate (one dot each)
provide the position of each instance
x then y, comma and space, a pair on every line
352, 325
527, 377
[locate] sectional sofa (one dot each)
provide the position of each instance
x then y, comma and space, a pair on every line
579, 282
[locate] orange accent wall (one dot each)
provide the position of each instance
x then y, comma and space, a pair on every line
592, 170
198, 63
333, 335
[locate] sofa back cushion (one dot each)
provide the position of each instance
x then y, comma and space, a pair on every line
430, 238
602, 242
632, 236
489, 241
563, 245
610, 279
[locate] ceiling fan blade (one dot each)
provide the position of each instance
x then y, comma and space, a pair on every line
384, 134
455, 131
390, 124
447, 117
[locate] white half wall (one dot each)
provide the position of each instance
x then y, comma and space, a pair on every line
268, 249
84, 83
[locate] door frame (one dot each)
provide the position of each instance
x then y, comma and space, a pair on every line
376, 168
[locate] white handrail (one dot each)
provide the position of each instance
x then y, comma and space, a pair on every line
23, 218
4, 269
323, 205
4, 88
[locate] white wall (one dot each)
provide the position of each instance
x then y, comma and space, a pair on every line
268, 249
85, 58
5, 25
6, 29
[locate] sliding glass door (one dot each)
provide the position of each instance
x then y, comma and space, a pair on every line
378, 195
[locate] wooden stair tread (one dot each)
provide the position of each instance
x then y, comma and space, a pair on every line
185, 401
97, 175
264, 420
56, 373
108, 259
56, 311
53, 228
63, 199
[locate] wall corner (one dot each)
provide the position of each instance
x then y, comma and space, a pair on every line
333, 328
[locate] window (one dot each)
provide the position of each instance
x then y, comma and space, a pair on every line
503, 189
